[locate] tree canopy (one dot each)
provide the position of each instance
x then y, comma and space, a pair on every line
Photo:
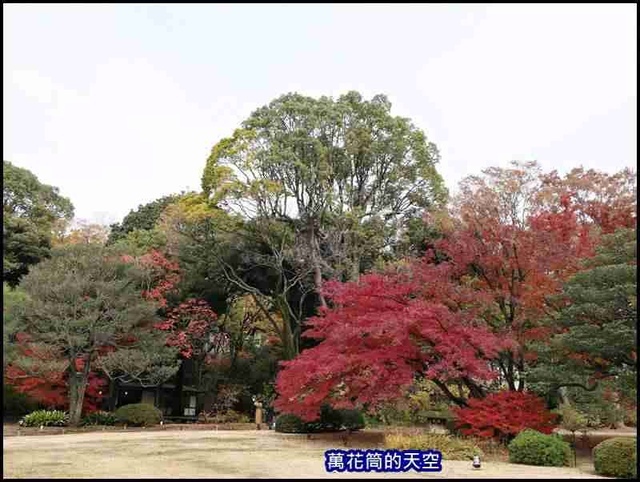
30, 210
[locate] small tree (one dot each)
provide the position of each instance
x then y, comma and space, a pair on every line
85, 310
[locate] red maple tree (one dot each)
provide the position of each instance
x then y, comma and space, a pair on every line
191, 327
465, 313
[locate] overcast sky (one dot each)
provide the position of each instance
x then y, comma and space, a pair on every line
118, 105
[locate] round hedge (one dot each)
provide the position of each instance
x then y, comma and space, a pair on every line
139, 415
531, 447
288, 423
616, 457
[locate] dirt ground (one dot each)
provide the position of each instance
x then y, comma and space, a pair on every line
212, 454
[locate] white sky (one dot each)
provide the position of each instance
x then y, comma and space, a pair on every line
118, 105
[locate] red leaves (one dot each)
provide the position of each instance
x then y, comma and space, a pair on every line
379, 334
191, 326
164, 275
504, 414
52, 391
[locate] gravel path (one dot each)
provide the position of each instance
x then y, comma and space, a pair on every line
210, 454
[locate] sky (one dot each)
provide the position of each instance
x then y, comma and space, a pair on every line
118, 105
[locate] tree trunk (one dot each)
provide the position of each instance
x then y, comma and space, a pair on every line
355, 267
111, 404
77, 388
314, 247
176, 409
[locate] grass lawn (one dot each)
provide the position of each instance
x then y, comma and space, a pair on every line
210, 454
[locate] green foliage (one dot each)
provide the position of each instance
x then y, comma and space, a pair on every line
16, 404
47, 418
334, 420
631, 417
346, 164
600, 323
352, 419
13, 302
616, 457
287, 423
423, 403
144, 217
331, 420
141, 241
139, 415
452, 448
571, 419
99, 418
30, 209
83, 298
597, 406
227, 416
534, 448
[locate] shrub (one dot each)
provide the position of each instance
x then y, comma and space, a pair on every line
48, 418
597, 406
16, 404
138, 414
99, 418
503, 415
631, 418
534, 448
288, 423
616, 457
352, 420
332, 420
571, 419
452, 448
227, 416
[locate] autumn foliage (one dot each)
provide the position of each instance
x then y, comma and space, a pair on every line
468, 311
503, 415
191, 327
379, 334
51, 389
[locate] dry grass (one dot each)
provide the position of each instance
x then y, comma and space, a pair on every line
206, 454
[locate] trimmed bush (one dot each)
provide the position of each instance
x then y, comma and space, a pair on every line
47, 418
139, 415
99, 418
616, 457
332, 420
534, 448
352, 419
452, 448
288, 423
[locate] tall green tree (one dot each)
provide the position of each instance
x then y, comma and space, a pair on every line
144, 218
13, 301
85, 311
30, 212
345, 174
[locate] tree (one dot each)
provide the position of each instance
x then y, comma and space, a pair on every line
497, 271
143, 218
30, 212
597, 340
13, 300
379, 335
333, 170
84, 232
85, 311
